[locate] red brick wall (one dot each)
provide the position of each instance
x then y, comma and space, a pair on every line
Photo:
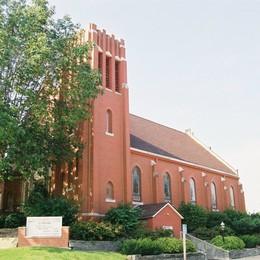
180, 191
62, 241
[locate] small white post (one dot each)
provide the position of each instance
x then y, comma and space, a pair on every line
184, 232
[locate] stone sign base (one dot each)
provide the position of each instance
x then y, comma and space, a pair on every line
62, 241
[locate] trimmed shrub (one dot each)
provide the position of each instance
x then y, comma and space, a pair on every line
94, 231
147, 246
175, 246
15, 220
194, 216
251, 241
229, 243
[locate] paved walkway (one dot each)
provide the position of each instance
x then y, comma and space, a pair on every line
251, 258
8, 242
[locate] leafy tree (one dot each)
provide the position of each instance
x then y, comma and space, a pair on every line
40, 203
194, 216
46, 88
126, 216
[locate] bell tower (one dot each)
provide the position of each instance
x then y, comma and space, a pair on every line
105, 168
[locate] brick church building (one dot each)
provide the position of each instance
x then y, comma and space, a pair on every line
131, 159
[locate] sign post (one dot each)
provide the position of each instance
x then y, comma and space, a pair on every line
184, 232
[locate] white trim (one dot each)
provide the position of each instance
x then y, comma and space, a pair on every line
108, 54
184, 162
137, 203
190, 134
92, 214
125, 85
117, 58
168, 204
99, 49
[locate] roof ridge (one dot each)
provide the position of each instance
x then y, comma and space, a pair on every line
160, 124
191, 135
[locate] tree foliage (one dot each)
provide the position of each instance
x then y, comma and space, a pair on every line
194, 216
46, 88
40, 203
126, 216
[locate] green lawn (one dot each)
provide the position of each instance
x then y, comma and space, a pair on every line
39, 253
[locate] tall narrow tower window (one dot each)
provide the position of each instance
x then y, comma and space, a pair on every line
167, 192
192, 191
109, 122
232, 197
136, 184
117, 76
213, 196
108, 72
100, 61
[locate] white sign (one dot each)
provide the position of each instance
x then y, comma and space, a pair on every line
167, 227
43, 226
184, 228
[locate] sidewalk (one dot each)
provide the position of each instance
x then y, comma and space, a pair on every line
8, 242
250, 258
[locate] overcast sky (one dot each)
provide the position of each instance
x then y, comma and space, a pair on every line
191, 64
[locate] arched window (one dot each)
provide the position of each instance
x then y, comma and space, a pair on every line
167, 191
136, 184
192, 191
109, 191
109, 121
213, 196
232, 197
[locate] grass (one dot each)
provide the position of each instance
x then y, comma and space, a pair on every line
40, 253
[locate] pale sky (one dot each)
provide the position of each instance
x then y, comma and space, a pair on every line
191, 64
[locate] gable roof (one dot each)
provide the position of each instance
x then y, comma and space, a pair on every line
151, 210
155, 138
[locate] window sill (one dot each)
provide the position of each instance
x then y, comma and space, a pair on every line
110, 134
110, 200
137, 203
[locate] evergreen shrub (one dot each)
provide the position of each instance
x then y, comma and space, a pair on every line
15, 220
205, 233
251, 241
2, 221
